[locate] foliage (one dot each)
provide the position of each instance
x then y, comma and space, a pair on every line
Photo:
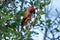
10, 20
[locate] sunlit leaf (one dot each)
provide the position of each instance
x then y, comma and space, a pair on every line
57, 30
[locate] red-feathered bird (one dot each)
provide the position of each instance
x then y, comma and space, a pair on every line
27, 16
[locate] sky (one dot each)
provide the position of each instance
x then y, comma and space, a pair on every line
52, 15
55, 5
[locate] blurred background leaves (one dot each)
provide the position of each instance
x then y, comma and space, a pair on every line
10, 19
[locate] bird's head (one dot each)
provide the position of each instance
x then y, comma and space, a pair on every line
31, 9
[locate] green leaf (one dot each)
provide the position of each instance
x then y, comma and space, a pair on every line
21, 0
17, 2
42, 29
48, 2
41, 22
48, 23
43, 4
35, 32
5, 10
35, 3
31, 2
34, 22
57, 29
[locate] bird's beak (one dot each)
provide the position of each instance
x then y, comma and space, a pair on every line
34, 12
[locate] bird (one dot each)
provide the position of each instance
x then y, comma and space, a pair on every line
27, 16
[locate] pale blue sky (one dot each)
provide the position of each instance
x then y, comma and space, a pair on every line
52, 15
55, 4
